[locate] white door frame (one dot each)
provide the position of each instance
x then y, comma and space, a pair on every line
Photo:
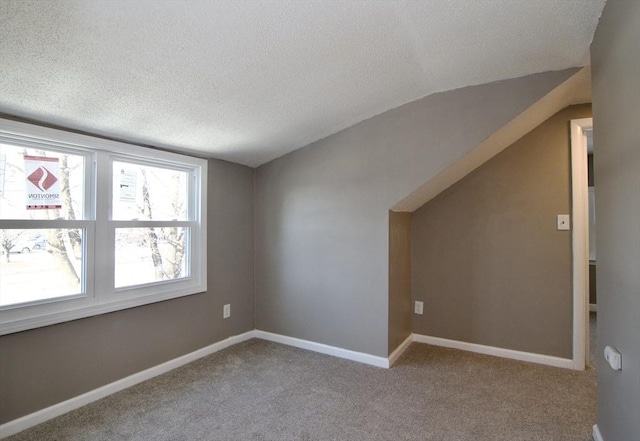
580, 240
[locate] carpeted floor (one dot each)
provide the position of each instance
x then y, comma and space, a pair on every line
259, 390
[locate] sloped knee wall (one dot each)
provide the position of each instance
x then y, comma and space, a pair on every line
488, 261
321, 250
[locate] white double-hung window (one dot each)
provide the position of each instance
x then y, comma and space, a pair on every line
89, 226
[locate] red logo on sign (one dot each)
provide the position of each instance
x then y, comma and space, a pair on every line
42, 178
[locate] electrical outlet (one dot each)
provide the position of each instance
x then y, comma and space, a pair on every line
418, 308
613, 357
226, 311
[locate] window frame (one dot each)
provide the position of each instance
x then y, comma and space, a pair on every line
100, 295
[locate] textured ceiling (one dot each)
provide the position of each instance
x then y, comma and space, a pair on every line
250, 81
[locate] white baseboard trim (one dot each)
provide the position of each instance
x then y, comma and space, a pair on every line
497, 352
593, 307
324, 349
597, 436
400, 350
27, 421
33, 419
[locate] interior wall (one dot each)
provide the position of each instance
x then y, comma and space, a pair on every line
322, 212
399, 278
616, 108
45, 366
488, 261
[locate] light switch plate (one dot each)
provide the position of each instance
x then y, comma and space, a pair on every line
564, 222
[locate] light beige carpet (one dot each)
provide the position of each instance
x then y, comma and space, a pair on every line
259, 390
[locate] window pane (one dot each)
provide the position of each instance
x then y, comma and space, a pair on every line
40, 264
148, 193
40, 184
147, 255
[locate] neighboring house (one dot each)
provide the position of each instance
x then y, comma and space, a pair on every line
313, 229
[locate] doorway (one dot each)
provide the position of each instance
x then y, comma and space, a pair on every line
580, 129
592, 296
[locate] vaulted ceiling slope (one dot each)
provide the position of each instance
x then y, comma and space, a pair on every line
250, 81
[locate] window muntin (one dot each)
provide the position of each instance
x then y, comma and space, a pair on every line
92, 217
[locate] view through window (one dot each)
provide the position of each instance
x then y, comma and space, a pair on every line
89, 226
40, 263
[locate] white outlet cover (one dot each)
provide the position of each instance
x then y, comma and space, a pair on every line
418, 308
226, 311
613, 357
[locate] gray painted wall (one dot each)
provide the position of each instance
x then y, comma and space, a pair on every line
399, 278
45, 366
322, 211
616, 111
488, 261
